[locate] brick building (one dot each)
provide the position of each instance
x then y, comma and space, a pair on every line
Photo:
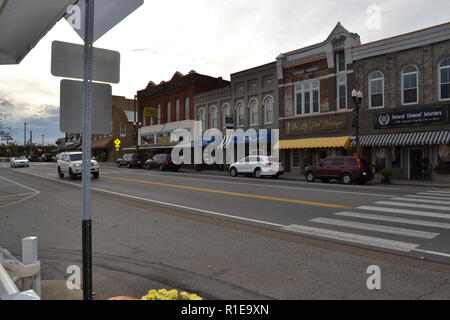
404, 118
315, 92
169, 106
123, 128
250, 102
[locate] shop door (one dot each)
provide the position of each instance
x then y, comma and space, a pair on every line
415, 164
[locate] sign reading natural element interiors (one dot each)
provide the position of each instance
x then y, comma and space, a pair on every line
412, 117
299, 126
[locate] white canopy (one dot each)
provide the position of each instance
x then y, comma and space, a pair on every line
23, 23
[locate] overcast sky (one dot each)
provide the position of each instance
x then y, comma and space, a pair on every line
214, 37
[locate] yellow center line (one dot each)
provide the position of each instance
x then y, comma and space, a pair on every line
34, 194
237, 194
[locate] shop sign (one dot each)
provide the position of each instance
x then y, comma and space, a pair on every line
150, 113
295, 127
412, 117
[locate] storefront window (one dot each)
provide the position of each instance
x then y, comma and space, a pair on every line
148, 139
396, 157
296, 158
380, 159
444, 156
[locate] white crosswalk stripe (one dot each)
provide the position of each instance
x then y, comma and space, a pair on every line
375, 217
377, 228
427, 197
434, 194
390, 219
353, 238
415, 205
406, 212
422, 200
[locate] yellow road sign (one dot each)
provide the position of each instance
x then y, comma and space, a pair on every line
117, 142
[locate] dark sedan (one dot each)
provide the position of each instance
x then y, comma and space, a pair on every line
162, 162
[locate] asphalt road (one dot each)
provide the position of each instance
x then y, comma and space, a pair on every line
236, 237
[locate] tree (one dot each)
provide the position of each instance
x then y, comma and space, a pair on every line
5, 132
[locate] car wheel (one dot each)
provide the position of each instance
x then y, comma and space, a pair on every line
233, 172
161, 167
71, 175
148, 167
310, 176
60, 174
129, 166
119, 165
257, 173
347, 178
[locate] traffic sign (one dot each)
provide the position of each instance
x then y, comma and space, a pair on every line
71, 107
67, 61
108, 13
117, 142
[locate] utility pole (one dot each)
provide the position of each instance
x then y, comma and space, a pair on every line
87, 152
43, 139
25, 139
357, 100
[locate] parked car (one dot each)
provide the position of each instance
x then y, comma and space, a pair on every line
257, 166
34, 159
162, 162
71, 163
131, 161
19, 162
346, 169
47, 158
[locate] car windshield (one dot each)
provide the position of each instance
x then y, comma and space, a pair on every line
20, 159
76, 157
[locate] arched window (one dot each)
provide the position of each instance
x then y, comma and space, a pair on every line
186, 108
168, 112
240, 108
202, 118
268, 109
376, 90
410, 85
177, 110
254, 112
214, 118
226, 111
444, 79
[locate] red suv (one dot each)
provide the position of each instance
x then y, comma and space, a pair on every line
346, 169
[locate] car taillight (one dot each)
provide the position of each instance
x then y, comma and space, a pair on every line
268, 163
359, 164
166, 162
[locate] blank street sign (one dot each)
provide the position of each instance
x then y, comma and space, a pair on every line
108, 13
67, 61
71, 109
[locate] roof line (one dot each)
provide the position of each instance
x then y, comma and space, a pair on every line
403, 34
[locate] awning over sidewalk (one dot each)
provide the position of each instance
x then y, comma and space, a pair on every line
314, 143
406, 139
102, 143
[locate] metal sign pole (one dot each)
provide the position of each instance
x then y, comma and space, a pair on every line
87, 144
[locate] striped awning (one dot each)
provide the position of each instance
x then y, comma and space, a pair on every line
314, 143
405, 139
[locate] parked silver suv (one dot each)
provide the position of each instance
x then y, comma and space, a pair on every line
71, 163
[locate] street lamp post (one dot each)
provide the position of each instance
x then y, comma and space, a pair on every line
357, 100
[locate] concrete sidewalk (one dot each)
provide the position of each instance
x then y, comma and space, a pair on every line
296, 177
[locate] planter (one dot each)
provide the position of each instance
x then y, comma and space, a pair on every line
386, 180
442, 171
